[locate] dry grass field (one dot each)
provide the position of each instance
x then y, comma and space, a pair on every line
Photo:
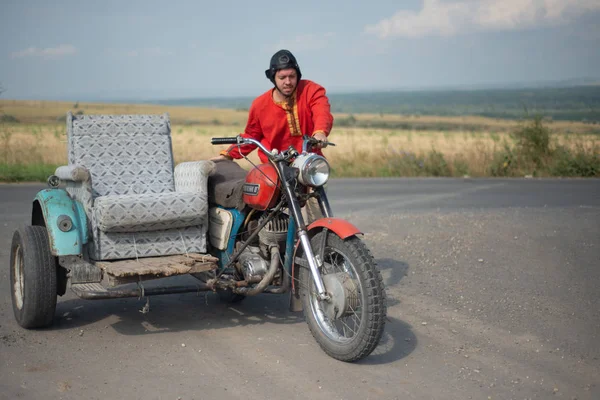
29, 111
39, 138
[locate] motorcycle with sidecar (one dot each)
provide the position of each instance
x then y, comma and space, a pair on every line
120, 214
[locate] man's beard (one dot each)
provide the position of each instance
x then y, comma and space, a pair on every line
287, 96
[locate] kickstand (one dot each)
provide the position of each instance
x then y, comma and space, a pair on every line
146, 308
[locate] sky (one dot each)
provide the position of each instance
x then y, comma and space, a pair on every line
148, 50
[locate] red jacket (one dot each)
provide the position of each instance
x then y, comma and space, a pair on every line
281, 125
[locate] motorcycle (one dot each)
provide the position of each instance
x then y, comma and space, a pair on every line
333, 275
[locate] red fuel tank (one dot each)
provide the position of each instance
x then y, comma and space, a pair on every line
261, 189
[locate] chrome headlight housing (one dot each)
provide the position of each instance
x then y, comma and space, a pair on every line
313, 169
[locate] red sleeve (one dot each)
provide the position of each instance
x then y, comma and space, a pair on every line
321, 110
252, 131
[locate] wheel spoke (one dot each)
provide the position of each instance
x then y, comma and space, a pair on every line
346, 326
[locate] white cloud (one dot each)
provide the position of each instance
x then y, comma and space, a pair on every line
60, 51
309, 41
451, 17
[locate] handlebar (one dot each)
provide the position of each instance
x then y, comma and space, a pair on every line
242, 140
224, 140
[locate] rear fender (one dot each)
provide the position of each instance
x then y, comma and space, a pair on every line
64, 219
340, 227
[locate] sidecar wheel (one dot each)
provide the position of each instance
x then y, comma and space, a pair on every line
350, 326
32, 277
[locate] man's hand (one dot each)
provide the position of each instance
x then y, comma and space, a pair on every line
322, 137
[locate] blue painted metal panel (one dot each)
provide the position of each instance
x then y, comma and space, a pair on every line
57, 206
238, 220
289, 245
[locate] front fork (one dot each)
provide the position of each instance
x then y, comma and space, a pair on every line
301, 228
323, 202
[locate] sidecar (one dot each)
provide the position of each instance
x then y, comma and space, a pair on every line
119, 214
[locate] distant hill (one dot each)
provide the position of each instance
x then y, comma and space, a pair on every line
568, 103
574, 103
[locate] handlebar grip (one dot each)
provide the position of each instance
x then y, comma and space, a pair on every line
224, 140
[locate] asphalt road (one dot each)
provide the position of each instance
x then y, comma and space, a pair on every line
493, 293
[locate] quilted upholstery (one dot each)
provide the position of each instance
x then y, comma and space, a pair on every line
129, 194
73, 173
192, 177
78, 184
149, 212
125, 154
120, 245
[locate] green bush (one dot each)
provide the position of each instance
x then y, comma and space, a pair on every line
533, 141
7, 118
435, 164
503, 162
460, 166
579, 162
404, 163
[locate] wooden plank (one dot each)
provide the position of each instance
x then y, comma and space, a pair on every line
160, 266
202, 267
121, 280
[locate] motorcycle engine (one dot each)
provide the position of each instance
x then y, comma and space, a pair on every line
254, 261
275, 232
253, 265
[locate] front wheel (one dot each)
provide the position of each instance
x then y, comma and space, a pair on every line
349, 326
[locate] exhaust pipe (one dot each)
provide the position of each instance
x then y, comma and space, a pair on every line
262, 285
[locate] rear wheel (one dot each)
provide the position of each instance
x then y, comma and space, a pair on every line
32, 277
350, 325
227, 296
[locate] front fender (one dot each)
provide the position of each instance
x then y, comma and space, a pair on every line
59, 211
341, 227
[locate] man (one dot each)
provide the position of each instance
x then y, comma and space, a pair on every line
279, 117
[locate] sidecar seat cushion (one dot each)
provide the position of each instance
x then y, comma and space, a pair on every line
226, 184
149, 212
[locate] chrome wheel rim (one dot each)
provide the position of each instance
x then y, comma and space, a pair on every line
346, 328
18, 276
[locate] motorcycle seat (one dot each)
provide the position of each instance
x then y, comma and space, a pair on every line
226, 184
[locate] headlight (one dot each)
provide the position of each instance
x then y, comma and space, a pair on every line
314, 169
